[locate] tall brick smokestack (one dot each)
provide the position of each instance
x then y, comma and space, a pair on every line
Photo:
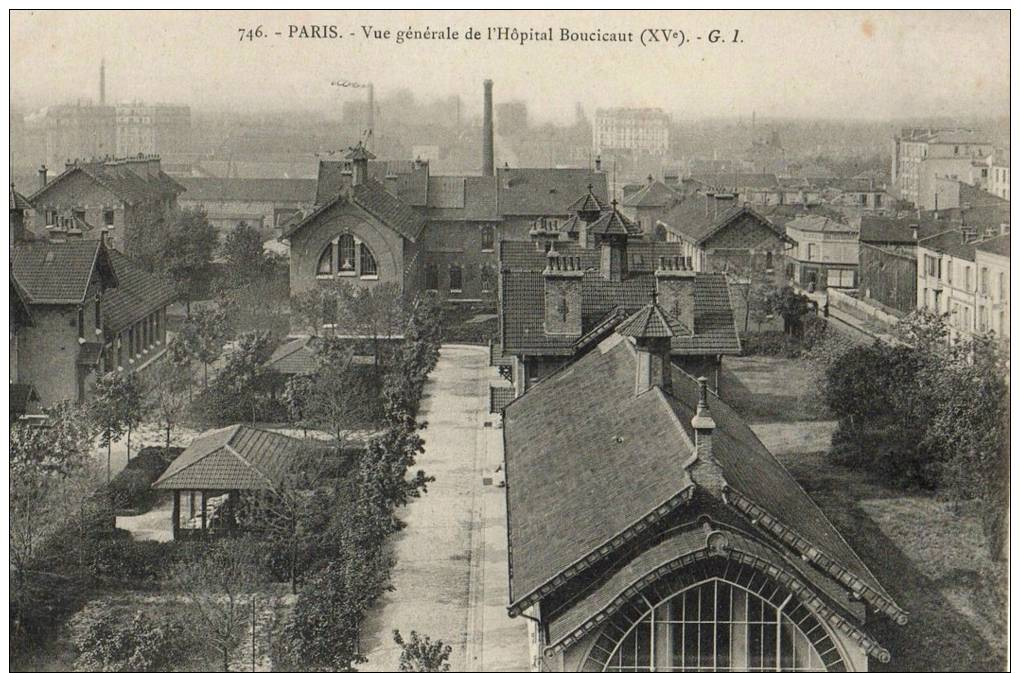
370, 122
488, 160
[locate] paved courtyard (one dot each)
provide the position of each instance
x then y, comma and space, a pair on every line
450, 577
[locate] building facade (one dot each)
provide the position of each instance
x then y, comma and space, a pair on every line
104, 198
991, 257
643, 130
921, 156
998, 177
948, 281
152, 129
92, 311
825, 253
265, 205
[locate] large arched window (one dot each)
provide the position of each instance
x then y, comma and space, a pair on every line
346, 248
737, 620
368, 265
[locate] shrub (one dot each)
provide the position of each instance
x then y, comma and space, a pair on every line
105, 641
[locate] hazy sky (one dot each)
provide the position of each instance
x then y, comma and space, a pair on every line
790, 64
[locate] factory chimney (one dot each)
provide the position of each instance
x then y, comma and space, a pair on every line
370, 122
102, 82
488, 160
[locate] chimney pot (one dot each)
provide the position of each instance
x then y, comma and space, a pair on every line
42, 176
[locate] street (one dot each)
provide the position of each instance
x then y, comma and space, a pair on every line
450, 576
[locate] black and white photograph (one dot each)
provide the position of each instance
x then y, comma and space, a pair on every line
534, 340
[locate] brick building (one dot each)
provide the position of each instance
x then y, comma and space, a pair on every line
650, 529
92, 311
560, 293
106, 197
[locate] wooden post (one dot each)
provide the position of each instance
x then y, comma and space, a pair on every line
177, 513
203, 511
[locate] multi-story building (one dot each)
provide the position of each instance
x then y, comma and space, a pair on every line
80, 131
92, 310
998, 174
948, 280
104, 198
152, 129
636, 129
650, 529
758, 189
991, 257
825, 252
923, 156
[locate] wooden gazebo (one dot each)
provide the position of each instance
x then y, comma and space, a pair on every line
210, 479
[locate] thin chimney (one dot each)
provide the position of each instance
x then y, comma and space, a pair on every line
42, 176
704, 468
370, 122
488, 157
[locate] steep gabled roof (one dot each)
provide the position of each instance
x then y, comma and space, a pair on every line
698, 217
17, 201
372, 197
121, 180
60, 273
590, 464
614, 223
651, 321
588, 202
654, 194
237, 457
407, 180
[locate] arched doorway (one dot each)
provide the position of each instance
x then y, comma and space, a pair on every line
728, 618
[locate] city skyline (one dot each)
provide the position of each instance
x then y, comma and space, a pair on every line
863, 58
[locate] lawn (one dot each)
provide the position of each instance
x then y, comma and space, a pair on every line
931, 556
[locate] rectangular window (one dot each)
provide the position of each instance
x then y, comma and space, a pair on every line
488, 237
107, 218
949, 272
81, 322
79, 215
131, 344
456, 278
984, 281
431, 277
1002, 286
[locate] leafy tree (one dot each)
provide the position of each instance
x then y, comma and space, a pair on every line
382, 472
242, 254
420, 653
170, 387
61, 446
220, 584
244, 383
117, 407
791, 305
203, 336
255, 289
336, 396
308, 310
179, 247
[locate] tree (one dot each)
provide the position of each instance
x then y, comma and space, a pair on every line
178, 247
244, 382
254, 291
61, 446
241, 251
308, 310
420, 653
203, 335
104, 641
220, 584
336, 396
382, 472
791, 305
117, 407
170, 386
751, 285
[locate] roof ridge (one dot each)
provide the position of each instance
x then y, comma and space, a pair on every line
228, 445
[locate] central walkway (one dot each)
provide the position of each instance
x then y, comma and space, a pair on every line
450, 577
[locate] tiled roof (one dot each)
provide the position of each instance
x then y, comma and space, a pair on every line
949, 242
614, 223
651, 321
123, 181
59, 273
407, 180
545, 191
233, 458
699, 217
297, 356
523, 299
876, 229
589, 462
477, 201
588, 202
496, 357
652, 195
248, 189
359, 153
138, 294
17, 201
374, 198
499, 397
737, 182
999, 245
